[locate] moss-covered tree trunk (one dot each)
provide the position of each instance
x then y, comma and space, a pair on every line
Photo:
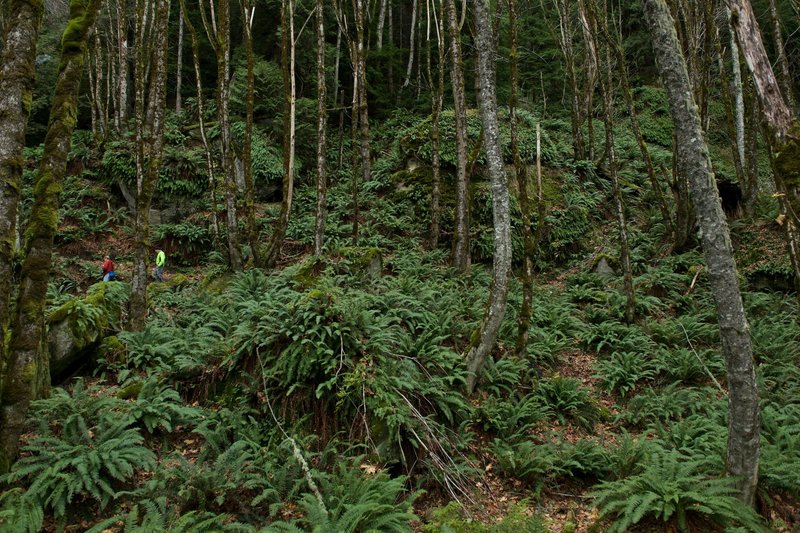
322, 120
460, 255
150, 136
496, 306
248, 12
743, 413
289, 109
27, 375
17, 78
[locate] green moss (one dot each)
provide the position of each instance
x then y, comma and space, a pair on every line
309, 271
787, 157
131, 391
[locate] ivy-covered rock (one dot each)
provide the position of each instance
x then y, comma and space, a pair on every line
79, 325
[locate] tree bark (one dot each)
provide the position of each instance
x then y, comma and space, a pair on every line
743, 414
566, 35
287, 58
17, 78
436, 114
780, 50
461, 253
179, 64
151, 133
27, 375
248, 13
322, 120
496, 306
412, 38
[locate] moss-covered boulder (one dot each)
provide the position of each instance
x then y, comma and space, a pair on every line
79, 325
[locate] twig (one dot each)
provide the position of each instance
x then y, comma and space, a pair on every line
694, 280
701, 361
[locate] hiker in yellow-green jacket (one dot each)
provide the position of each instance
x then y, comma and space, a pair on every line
160, 260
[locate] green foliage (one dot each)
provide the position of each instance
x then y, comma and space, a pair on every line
19, 512
623, 370
81, 463
670, 403
569, 401
159, 406
187, 240
672, 489
449, 519
156, 515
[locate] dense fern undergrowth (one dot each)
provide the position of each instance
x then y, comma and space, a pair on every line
327, 395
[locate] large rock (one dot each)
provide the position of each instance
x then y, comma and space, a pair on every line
79, 325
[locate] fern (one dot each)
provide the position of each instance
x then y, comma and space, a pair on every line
158, 405
19, 513
81, 462
568, 401
624, 370
671, 490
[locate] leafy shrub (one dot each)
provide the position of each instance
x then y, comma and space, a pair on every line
159, 406
671, 489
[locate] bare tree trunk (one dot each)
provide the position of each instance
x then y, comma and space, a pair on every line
287, 58
121, 116
381, 22
212, 187
17, 78
496, 306
412, 41
179, 64
780, 49
624, 247
248, 13
153, 132
437, 97
521, 172
589, 29
743, 414
363, 111
322, 119
566, 35
461, 255
27, 373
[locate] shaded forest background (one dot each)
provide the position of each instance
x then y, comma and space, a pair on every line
320, 356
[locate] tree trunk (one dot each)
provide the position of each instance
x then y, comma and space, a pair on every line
27, 375
780, 49
381, 22
566, 35
212, 186
496, 306
436, 113
287, 57
743, 415
179, 64
613, 42
152, 133
121, 115
461, 254
412, 38
248, 12
322, 119
520, 170
17, 78
624, 248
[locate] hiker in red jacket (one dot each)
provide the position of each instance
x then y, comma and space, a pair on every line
108, 269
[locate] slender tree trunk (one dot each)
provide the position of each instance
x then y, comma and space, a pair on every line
154, 131
17, 78
121, 116
589, 29
381, 22
496, 306
363, 111
521, 172
322, 119
412, 38
613, 43
27, 374
179, 65
566, 35
212, 187
782, 59
437, 97
287, 57
461, 253
743, 415
248, 13
624, 247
